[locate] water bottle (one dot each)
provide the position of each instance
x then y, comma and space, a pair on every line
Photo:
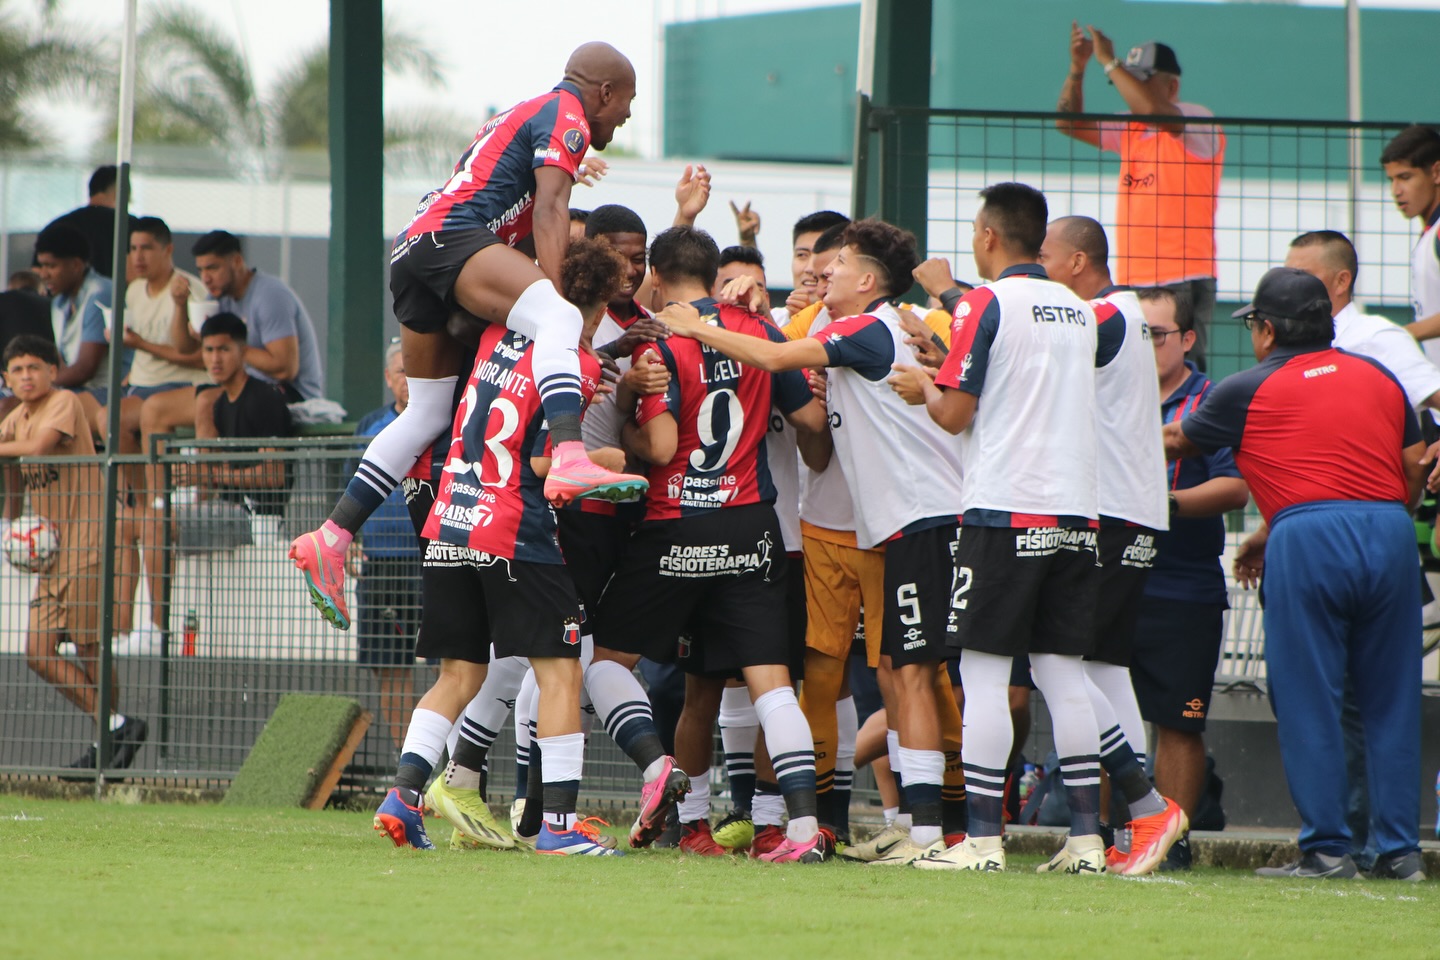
187, 639
1028, 781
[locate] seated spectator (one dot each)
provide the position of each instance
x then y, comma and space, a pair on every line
96, 220
62, 258
245, 406
163, 373
282, 348
385, 562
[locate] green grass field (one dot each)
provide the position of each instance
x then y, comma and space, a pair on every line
82, 879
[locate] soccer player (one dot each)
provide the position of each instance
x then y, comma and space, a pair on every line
66, 605
707, 559
494, 574
807, 230
883, 446
1412, 163
1134, 511
510, 188
1027, 567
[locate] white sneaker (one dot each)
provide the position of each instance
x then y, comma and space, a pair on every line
982, 854
903, 853
1082, 855
878, 846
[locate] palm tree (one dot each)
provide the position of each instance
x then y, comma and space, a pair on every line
196, 89
39, 60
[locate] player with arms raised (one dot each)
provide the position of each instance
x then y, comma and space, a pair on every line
511, 189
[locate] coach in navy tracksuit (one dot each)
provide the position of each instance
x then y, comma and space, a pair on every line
1331, 450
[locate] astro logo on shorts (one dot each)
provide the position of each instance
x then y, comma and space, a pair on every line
571, 636
574, 140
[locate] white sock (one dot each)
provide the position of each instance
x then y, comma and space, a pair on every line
696, 805
892, 750
848, 726
802, 829
562, 758
989, 732
117, 720
1062, 681
393, 451
890, 814
1114, 682
427, 734
768, 810
787, 736
554, 325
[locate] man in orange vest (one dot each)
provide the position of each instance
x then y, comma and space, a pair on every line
1169, 172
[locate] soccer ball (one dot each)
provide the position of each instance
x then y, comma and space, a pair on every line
31, 543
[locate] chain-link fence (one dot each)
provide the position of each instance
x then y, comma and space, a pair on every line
1276, 180
212, 624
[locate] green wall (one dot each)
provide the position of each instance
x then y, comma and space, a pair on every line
781, 86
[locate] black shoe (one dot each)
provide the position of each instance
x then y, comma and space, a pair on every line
127, 739
670, 837
1314, 866
86, 761
1409, 867
1178, 859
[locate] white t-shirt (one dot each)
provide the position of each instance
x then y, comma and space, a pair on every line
602, 422
150, 317
1131, 451
825, 499
1379, 339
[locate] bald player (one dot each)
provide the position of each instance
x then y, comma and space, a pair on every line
1134, 511
470, 245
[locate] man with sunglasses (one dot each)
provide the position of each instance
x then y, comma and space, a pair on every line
1331, 449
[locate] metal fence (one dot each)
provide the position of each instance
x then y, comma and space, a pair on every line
1279, 178
212, 624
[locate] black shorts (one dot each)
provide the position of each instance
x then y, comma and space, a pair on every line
473, 599
919, 583
423, 270
1025, 590
718, 578
1172, 666
387, 595
1126, 556
593, 544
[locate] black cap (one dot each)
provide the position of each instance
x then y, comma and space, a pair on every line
1289, 294
1151, 58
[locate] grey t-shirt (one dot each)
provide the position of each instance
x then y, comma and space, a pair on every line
271, 312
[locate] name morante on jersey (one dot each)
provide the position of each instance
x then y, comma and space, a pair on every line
490, 499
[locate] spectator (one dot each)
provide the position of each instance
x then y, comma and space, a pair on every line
283, 349
747, 224
1329, 256
77, 317
66, 605
385, 562
163, 376
1412, 164
25, 280
1331, 449
1169, 173
96, 220
245, 406
1182, 613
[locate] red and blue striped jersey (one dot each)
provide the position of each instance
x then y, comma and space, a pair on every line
489, 498
493, 185
722, 414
